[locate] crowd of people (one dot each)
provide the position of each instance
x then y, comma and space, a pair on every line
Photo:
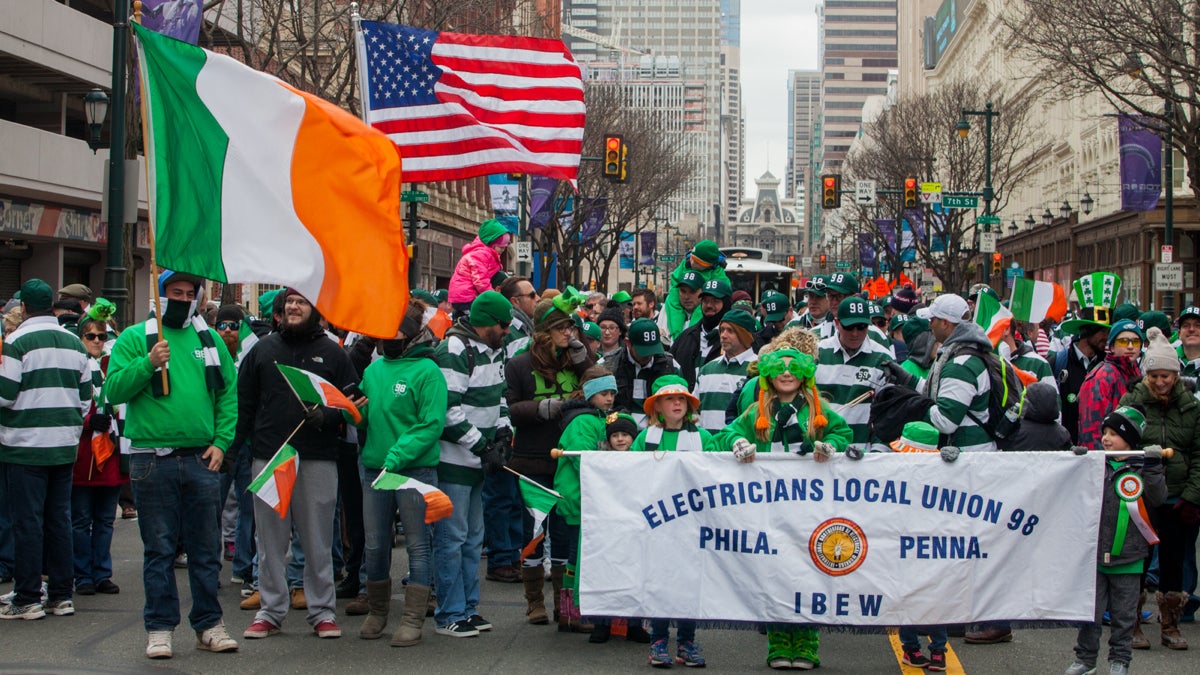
183, 411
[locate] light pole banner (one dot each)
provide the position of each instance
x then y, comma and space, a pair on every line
1141, 164
893, 539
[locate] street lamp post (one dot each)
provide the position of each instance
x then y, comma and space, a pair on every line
1168, 297
115, 273
964, 129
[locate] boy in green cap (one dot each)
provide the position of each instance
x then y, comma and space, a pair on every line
708, 263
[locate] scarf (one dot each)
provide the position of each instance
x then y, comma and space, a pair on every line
208, 347
687, 440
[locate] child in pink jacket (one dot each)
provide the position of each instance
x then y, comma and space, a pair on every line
479, 268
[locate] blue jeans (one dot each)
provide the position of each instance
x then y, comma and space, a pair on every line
660, 629
178, 502
910, 637
93, 510
40, 502
6, 533
503, 519
243, 538
379, 517
457, 548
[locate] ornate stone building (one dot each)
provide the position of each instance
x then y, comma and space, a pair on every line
769, 221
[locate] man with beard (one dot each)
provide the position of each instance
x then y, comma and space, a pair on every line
1097, 293
269, 414
523, 296
700, 343
179, 437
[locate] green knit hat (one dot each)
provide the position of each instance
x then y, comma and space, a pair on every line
743, 322
1129, 423
917, 437
490, 309
37, 295
490, 230
1126, 310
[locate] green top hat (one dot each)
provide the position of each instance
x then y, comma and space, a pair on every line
1097, 294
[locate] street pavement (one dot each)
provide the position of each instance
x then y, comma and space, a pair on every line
106, 636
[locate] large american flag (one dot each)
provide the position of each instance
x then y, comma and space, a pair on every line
462, 105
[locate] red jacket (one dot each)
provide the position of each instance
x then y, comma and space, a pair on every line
1100, 393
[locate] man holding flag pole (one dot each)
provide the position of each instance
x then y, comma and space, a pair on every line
178, 445
280, 423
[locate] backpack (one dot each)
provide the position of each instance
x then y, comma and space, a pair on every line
1006, 398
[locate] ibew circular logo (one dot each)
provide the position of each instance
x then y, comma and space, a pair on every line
838, 546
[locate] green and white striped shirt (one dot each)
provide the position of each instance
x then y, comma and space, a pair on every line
46, 385
475, 400
962, 385
718, 382
842, 378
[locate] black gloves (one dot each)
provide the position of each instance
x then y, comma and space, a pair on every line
897, 375
100, 422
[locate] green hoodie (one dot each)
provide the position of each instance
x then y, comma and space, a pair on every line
585, 432
1174, 424
191, 415
677, 317
403, 415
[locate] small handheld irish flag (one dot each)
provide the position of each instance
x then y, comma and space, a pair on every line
437, 503
992, 316
1033, 301
315, 390
274, 484
538, 501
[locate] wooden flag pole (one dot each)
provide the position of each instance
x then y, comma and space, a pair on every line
166, 383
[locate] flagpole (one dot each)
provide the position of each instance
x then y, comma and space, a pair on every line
137, 18
557, 453
530, 480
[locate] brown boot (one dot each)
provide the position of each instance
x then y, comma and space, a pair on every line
535, 611
556, 583
416, 598
379, 598
358, 606
1140, 641
1170, 606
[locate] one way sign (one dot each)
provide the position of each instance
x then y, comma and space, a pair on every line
864, 192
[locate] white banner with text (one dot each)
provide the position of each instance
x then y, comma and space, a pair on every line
893, 539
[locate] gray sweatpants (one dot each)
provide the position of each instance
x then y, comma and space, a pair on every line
1118, 595
313, 501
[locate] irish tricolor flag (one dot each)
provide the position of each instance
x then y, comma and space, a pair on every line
992, 316
1034, 301
538, 501
274, 484
437, 503
315, 390
254, 181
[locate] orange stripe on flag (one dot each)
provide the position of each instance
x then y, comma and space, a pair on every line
439, 323
360, 232
336, 399
437, 506
285, 482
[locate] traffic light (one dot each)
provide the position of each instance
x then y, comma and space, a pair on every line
792, 261
996, 260
612, 157
831, 195
822, 261
910, 193
624, 174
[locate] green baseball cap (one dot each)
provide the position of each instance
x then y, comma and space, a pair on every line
854, 311
590, 329
718, 288
644, 338
774, 306
692, 280
898, 321
815, 286
842, 283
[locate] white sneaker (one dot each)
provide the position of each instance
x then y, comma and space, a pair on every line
158, 644
215, 639
60, 608
7, 598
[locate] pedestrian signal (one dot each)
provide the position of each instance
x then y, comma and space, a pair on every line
910, 193
831, 191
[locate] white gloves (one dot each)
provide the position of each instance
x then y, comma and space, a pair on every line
744, 450
823, 451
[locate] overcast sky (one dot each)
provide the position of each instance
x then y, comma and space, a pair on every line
777, 36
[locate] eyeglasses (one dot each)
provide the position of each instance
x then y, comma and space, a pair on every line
1128, 342
610, 329
532, 295
93, 336
818, 284
564, 328
228, 325
858, 327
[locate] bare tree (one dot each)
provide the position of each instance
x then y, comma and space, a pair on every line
658, 168
1141, 55
916, 138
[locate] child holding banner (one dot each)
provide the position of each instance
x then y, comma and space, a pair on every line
789, 416
671, 413
1130, 485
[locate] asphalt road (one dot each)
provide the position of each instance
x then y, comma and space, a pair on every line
106, 636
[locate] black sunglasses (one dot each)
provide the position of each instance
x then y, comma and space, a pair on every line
93, 336
228, 325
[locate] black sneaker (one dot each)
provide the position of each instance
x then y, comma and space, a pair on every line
107, 587
85, 589
459, 629
479, 623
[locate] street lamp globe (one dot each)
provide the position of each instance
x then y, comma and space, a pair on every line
1065, 210
1029, 221
1086, 202
1012, 227
95, 110
1047, 218
963, 127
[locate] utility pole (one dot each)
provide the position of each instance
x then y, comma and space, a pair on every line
115, 273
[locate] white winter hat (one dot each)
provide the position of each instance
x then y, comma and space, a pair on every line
1159, 354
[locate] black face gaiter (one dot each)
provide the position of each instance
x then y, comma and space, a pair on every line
393, 349
176, 313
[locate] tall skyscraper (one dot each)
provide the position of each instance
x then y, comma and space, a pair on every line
733, 128
804, 113
857, 48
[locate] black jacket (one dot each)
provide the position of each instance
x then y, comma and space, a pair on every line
625, 373
1039, 428
686, 348
268, 409
533, 438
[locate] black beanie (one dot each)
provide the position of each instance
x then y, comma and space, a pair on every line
615, 315
230, 313
620, 422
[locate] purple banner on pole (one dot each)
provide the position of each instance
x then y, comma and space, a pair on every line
541, 206
179, 19
649, 240
626, 250
1141, 164
887, 228
866, 249
597, 209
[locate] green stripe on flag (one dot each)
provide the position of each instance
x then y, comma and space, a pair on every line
537, 497
302, 384
390, 481
286, 454
188, 148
